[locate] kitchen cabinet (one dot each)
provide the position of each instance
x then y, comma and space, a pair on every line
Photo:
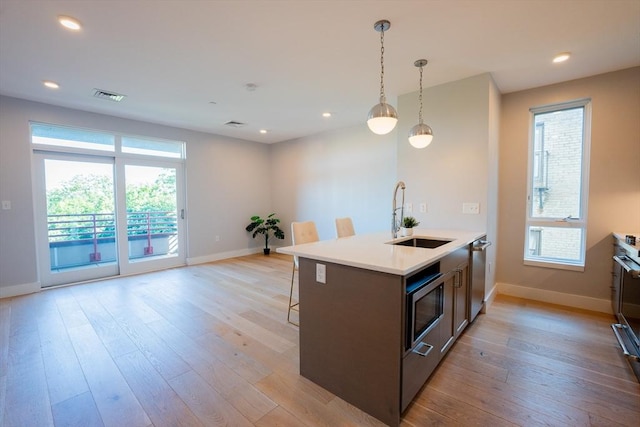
364, 335
456, 298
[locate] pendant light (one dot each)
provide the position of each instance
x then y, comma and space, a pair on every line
420, 135
382, 117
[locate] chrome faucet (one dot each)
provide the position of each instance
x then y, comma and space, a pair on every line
395, 225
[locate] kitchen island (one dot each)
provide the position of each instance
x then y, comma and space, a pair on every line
359, 333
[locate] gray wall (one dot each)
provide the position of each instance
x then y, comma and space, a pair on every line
614, 186
227, 182
351, 172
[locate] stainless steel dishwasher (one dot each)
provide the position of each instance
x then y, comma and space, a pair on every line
478, 269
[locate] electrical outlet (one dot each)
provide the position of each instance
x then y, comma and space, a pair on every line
6, 205
471, 208
423, 207
408, 207
321, 273
217, 238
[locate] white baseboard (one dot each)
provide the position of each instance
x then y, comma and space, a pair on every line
490, 297
23, 289
570, 300
222, 255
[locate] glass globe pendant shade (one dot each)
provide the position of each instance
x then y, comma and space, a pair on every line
382, 118
420, 135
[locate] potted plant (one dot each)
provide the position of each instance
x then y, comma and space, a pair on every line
407, 225
268, 227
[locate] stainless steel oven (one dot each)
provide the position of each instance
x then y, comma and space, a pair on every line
423, 321
425, 304
626, 307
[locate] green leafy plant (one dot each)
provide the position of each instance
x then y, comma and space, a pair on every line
267, 227
410, 222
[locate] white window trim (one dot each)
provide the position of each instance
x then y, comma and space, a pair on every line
584, 189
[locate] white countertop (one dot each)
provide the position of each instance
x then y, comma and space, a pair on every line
372, 251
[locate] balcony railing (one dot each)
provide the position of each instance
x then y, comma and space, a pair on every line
74, 236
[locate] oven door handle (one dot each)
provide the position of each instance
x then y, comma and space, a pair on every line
623, 263
417, 348
615, 328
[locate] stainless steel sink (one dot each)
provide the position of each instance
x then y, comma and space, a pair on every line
422, 242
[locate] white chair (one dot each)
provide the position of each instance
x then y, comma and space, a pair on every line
344, 227
301, 232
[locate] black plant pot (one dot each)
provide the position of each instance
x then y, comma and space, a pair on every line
266, 251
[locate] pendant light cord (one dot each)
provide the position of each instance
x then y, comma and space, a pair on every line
382, 97
420, 98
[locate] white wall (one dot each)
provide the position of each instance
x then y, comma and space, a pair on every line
453, 168
18, 265
460, 164
614, 187
227, 182
350, 172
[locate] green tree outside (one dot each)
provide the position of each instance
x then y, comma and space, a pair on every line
93, 194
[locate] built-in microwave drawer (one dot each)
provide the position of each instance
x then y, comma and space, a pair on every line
418, 364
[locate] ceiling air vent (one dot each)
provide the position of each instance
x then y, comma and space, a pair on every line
111, 96
235, 124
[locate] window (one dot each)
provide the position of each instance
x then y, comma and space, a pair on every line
70, 138
153, 147
67, 139
556, 220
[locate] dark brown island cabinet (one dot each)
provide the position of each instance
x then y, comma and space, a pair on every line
374, 338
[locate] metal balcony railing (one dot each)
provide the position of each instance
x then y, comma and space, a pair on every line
97, 228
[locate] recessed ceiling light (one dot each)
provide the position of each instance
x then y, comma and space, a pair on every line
69, 22
50, 84
263, 131
327, 114
561, 57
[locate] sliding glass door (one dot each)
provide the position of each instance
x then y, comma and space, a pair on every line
153, 217
77, 218
106, 205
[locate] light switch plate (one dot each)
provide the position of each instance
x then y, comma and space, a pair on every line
471, 208
408, 207
6, 205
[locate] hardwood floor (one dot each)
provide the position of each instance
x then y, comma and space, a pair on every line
209, 345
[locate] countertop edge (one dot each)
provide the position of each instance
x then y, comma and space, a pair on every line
377, 244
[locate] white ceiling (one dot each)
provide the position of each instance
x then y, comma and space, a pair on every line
173, 58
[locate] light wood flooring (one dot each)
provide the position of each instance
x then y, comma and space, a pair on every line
209, 345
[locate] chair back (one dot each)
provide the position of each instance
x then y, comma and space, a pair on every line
303, 232
344, 227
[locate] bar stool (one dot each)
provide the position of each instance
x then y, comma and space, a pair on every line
344, 227
301, 232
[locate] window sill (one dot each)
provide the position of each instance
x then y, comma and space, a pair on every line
555, 265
